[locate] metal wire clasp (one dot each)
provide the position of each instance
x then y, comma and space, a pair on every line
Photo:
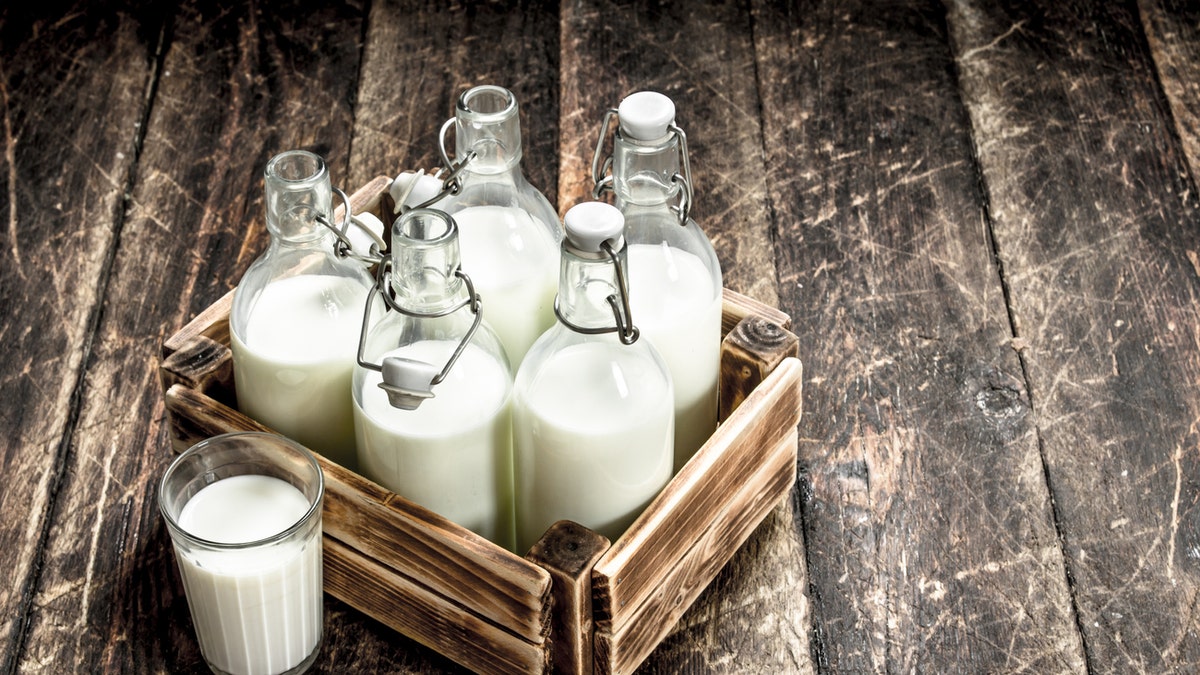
343, 247
622, 314
408, 382
602, 177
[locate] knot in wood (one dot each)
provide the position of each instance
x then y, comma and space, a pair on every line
998, 394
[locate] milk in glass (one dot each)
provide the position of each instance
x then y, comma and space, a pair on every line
257, 611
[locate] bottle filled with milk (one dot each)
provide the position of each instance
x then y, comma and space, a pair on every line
675, 278
508, 230
297, 313
432, 388
593, 418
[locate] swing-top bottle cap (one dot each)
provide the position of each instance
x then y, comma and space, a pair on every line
590, 224
646, 115
408, 382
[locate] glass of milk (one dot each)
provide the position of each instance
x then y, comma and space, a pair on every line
244, 513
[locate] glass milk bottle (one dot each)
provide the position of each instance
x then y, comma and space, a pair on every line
296, 315
593, 417
508, 229
674, 277
432, 388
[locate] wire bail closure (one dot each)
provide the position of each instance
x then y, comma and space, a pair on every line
409, 382
343, 247
602, 177
622, 314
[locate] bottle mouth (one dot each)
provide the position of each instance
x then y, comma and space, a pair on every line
487, 103
296, 166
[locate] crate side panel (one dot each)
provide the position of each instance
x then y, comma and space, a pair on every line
699, 496
635, 632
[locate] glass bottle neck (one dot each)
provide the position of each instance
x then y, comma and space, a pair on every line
487, 123
298, 191
643, 172
425, 262
584, 286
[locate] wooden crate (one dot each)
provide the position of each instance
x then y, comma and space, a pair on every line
574, 603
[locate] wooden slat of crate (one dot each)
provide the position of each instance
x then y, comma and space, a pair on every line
654, 572
427, 617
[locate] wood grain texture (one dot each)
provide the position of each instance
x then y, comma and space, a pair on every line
109, 598
569, 551
1096, 222
420, 55
701, 55
1172, 28
411, 608
930, 539
749, 353
62, 191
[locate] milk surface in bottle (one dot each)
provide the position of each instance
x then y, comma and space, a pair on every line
432, 394
296, 315
593, 422
675, 278
508, 230
257, 610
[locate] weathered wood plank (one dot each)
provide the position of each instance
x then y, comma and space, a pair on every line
930, 540
699, 54
420, 55
236, 85
569, 551
1172, 28
412, 609
1097, 223
73, 87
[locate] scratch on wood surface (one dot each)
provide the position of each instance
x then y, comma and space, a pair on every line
1195, 260
1178, 458
10, 158
970, 53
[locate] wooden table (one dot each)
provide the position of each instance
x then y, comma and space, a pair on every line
983, 219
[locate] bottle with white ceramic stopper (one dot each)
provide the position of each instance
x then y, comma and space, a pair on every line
593, 418
433, 386
296, 314
508, 229
675, 278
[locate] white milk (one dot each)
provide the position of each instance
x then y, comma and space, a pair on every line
293, 370
453, 454
592, 440
671, 295
513, 261
256, 611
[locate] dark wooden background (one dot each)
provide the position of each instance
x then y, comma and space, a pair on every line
982, 217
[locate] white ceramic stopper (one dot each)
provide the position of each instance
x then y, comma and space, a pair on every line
646, 115
590, 224
407, 382
412, 189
